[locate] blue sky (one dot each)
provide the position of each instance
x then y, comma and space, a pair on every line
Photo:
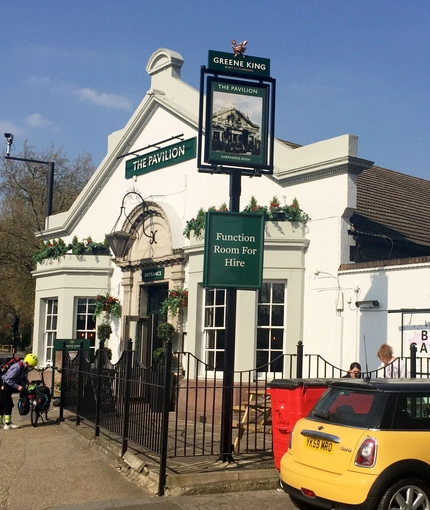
74, 71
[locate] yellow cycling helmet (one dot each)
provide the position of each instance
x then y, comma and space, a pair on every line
31, 359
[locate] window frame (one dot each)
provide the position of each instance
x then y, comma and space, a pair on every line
216, 330
87, 333
271, 327
50, 334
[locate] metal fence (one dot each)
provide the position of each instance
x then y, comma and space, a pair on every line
174, 408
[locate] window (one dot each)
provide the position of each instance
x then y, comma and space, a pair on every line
85, 323
214, 328
50, 328
270, 327
412, 412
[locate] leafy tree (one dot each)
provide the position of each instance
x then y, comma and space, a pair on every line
23, 194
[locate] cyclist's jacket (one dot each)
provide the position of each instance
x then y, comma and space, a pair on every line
16, 375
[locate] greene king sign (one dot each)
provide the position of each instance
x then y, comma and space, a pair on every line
251, 66
234, 247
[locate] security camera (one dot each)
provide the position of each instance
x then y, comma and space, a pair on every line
9, 140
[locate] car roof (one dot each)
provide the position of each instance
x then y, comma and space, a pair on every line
389, 385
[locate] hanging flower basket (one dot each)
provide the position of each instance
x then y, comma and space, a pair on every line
183, 303
108, 304
177, 299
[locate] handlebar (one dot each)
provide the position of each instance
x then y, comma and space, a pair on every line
42, 369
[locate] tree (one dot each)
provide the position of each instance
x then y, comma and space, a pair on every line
23, 187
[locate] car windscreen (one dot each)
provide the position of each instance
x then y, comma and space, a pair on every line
349, 407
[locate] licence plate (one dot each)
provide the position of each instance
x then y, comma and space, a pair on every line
322, 445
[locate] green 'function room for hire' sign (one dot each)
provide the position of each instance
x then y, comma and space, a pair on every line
234, 247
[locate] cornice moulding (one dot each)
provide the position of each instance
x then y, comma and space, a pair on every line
321, 170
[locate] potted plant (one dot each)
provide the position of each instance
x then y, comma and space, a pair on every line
176, 299
104, 331
196, 226
254, 208
165, 331
275, 211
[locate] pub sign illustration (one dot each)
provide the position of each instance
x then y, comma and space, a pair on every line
239, 115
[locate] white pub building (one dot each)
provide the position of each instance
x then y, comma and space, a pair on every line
356, 270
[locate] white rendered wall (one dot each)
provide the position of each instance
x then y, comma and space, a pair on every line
317, 175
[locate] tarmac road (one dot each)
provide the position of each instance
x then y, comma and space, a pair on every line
250, 500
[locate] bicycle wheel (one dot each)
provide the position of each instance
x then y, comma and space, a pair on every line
34, 415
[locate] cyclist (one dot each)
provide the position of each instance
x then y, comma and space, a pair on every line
15, 379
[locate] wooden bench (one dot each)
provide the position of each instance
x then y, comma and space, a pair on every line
254, 415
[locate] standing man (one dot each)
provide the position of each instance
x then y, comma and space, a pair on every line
14, 380
393, 367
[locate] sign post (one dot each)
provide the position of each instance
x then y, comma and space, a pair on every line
238, 139
226, 447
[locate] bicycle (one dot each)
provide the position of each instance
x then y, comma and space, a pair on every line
39, 396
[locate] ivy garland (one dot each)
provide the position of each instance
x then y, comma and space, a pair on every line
57, 248
274, 211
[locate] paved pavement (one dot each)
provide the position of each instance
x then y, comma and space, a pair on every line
49, 465
54, 467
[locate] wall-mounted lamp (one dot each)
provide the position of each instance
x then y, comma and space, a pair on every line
120, 241
49, 177
367, 305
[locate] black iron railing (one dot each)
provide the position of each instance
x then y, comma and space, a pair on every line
174, 408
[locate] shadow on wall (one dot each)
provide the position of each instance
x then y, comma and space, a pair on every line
373, 323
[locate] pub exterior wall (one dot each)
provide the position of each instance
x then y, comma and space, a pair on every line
320, 299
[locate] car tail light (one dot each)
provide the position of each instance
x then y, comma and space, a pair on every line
366, 455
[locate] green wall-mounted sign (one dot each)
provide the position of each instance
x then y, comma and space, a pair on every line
246, 65
167, 156
234, 248
152, 273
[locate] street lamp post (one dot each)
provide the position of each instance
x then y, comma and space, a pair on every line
50, 177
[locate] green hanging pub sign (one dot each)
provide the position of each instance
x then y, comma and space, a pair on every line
234, 249
161, 158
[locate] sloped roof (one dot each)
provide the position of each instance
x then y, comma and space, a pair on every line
393, 204
225, 111
290, 144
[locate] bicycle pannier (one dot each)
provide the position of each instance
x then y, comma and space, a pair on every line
43, 397
23, 403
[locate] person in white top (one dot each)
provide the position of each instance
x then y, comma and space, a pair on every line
393, 367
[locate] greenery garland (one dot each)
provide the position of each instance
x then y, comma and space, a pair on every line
58, 248
274, 211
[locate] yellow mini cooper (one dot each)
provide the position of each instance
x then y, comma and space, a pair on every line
365, 445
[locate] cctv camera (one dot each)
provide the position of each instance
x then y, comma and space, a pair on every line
9, 141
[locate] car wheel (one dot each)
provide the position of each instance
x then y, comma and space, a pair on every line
406, 494
301, 505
